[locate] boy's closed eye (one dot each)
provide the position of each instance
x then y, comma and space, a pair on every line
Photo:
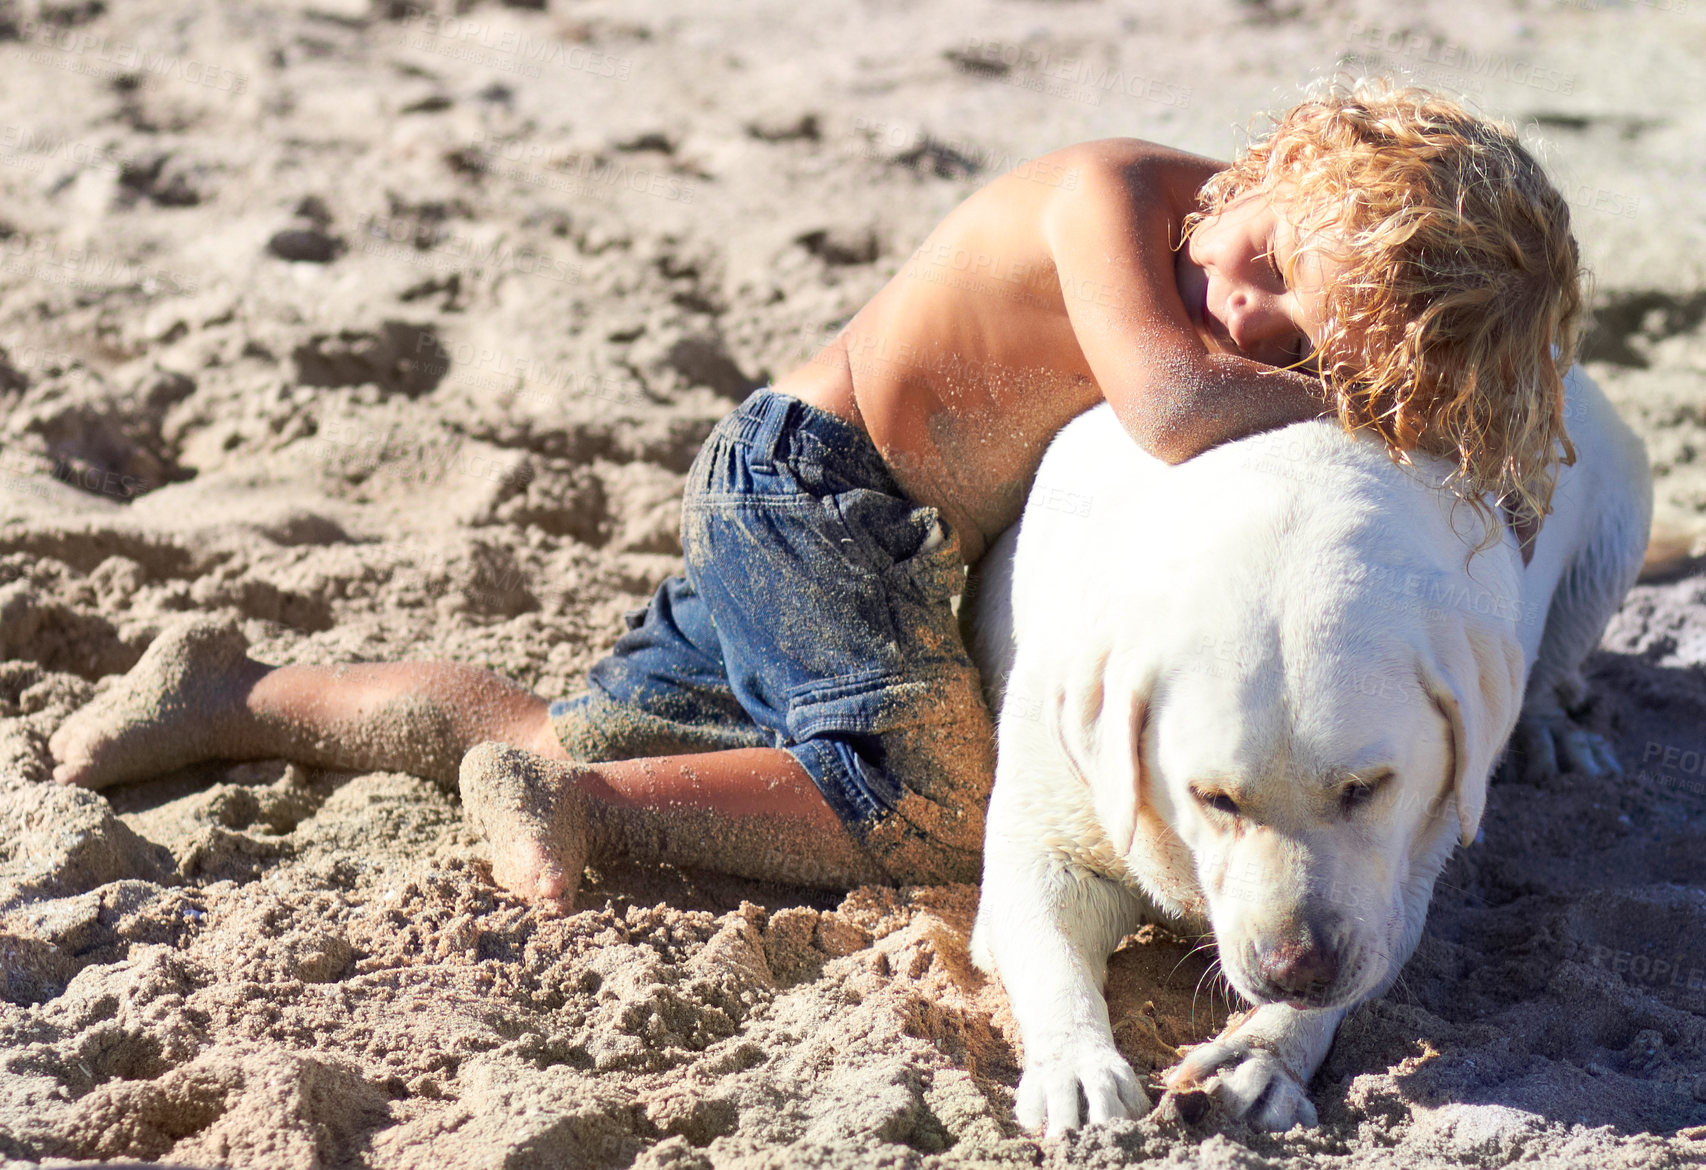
1300, 353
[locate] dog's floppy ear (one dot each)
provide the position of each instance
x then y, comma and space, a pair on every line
1118, 778
1099, 722
1474, 676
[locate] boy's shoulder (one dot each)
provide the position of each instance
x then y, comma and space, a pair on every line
1103, 165
1076, 203
1111, 185
1086, 192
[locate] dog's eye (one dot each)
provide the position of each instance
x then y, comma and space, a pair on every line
1354, 796
1220, 802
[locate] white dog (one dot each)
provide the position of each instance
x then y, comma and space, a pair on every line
1261, 692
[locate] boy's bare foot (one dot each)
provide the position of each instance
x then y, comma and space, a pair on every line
533, 816
173, 708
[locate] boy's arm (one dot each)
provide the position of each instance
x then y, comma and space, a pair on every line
1111, 238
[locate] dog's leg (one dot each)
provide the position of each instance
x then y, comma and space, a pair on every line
1590, 591
1258, 1068
1047, 928
1546, 739
1614, 490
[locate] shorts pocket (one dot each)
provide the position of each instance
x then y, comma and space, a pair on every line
906, 544
936, 571
789, 597
850, 716
866, 703
900, 739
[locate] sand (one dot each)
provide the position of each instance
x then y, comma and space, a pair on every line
389, 331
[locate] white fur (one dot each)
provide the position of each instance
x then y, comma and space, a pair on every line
1275, 615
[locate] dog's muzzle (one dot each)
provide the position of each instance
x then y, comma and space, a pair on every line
1302, 971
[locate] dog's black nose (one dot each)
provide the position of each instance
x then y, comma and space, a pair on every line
1300, 968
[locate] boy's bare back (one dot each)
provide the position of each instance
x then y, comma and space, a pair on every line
1055, 286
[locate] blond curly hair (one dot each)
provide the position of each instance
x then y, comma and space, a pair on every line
1457, 314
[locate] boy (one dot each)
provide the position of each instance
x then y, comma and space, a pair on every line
799, 705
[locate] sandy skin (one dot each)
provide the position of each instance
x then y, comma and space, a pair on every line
533, 816
196, 695
177, 705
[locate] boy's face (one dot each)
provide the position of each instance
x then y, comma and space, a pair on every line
1231, 275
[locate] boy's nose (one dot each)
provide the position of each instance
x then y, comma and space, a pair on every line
1253, 319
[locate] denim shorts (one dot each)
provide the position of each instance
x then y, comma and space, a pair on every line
815, 615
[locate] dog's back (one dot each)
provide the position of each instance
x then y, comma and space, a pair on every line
1107, 523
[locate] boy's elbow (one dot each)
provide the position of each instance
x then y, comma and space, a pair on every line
1160, 420
1170, 444
1174, 454
1172, 448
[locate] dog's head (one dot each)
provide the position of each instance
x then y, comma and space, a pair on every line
1313, 776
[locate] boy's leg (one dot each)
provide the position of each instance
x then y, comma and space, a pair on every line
196, 695
831, 594
749, 812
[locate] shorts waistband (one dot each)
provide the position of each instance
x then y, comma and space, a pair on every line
778, 426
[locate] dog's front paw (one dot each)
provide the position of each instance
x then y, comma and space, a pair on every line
1248, 1082
1545, 745
1049, 1088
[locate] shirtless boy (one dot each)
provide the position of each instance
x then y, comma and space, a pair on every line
799, 705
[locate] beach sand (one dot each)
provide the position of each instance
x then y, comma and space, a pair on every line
389, 331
